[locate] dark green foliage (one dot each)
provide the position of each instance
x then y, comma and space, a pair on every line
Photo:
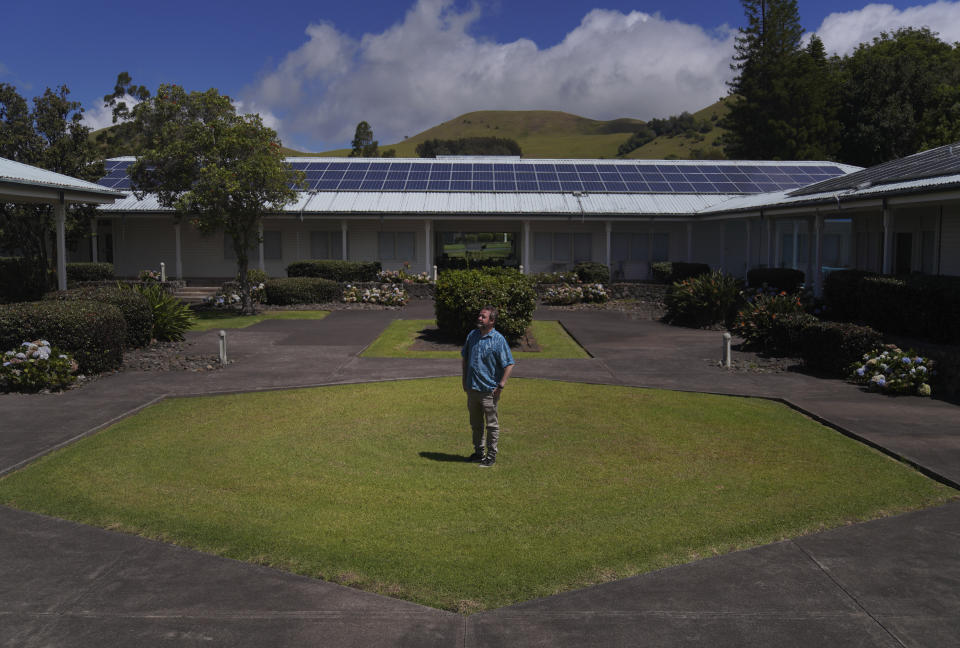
302, 290
704, 300
672, 271
92, 332
831, 347
363, 144
122, 138
171, 317
447, 262
592, 272
643, 136
895, 91
468, 146
755, 321
336, 270
135, 308
917, 305
20, 281
256, 276
89, 271
785, 279
785, 334
460, 294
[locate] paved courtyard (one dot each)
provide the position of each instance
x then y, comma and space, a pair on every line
891, 582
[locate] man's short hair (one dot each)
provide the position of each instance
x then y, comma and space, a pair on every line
493, 312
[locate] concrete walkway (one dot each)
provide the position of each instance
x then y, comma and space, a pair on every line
891, 582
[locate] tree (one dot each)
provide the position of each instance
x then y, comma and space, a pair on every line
50, 136
780, 107
363, 143
468, 146
895, 95
122, 138
221, 170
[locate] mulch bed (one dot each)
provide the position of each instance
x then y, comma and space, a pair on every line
432, 339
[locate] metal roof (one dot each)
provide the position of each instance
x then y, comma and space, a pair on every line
18, 180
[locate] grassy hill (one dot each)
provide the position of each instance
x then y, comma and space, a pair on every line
688, 146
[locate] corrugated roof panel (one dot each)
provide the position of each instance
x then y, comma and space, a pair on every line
20, 173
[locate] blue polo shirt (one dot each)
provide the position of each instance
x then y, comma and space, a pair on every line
487, 356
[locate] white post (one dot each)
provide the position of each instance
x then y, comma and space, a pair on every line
60, 207
93, 240
725, 352
343, 240
178, 261
163, 272
223, 347
263, 266
435, 273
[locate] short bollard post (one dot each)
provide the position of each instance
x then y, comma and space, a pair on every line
521, 268
726, 349
163, 271
434, 273
223, 347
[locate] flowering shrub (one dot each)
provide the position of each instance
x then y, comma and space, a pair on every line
386, 294
567, 294
755, 321
35, 366
541, 278
704, 300
893, 371
228, 297
148, 276
403, 275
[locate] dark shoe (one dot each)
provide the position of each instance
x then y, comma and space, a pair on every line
489, 461
476, 457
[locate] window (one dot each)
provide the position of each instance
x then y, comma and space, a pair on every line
326, 245
272, 247
639, 247
927, 248
399, 246
561, 247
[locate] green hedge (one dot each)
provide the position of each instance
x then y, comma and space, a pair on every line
446, 262
831, 347
91, 331
669, 272
301, 290
460, 294
335, 270
920, 306
136, 309
785, 279
89, 271
20, 281
591, 272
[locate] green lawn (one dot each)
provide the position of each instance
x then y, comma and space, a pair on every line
395, 342
229, 319
364, 484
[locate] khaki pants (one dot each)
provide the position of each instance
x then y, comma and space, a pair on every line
483, 410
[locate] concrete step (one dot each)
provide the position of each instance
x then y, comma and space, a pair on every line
195, 294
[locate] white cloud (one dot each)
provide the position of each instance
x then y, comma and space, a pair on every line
842, 32
427, 69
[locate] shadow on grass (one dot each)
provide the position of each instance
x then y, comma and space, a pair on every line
443, 456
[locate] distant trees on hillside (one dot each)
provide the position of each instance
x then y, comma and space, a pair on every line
468, 146
683, 124
363, 144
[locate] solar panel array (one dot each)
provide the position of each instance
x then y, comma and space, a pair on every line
943, 160
621, 177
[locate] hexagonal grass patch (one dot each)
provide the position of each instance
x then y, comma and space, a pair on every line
366, 485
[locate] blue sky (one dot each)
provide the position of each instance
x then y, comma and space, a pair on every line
314, 69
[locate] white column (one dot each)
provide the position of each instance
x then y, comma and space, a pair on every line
723, 246
93, 240
179, 257
343, 240
746, 267
771, 242
608, 227
526, 247
796, 246
818, 252
690, 242
427, 248
60, 208
811, 270
887, 241
260, 236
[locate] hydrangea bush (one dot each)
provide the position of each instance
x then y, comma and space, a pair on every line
403, 275
894, 371
231, 298
567, 294
34, 366
386, 294
148, 275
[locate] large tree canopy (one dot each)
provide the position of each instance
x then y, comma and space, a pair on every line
221, 170
50, 136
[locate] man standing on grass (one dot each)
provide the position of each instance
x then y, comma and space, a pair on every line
487, 364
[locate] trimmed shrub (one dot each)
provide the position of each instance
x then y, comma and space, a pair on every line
89, 271
136, 309
301, 290
91, 331
785, 279
335, 270
786, 333
20, 280
591, 272
255, 276
460, 294
171, 317
704, 301
841, 294
670, 272
831, 347
754, 322
446, 262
